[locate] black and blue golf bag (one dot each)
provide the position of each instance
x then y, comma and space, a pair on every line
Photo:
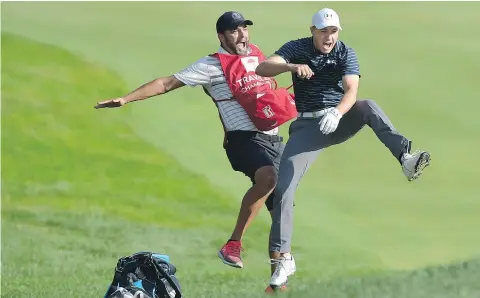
144, 275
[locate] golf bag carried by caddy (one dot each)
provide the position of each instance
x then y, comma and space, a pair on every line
144, 275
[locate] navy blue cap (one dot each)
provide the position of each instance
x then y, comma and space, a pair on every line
230, 21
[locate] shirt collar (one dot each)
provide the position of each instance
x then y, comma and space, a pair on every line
221, 50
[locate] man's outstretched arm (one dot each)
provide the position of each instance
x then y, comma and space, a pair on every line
272, 67
156, 87
276, 65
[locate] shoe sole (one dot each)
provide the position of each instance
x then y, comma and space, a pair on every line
422, 163
235, 265
273, 290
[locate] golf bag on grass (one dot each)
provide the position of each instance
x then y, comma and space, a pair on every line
144, 275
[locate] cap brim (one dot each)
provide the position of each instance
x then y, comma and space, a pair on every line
236, 24
325, 25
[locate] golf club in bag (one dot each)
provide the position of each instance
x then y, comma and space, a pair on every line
144, 275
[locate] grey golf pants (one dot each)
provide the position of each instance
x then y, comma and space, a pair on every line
305, 142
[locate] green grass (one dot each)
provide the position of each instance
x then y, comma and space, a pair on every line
75, 178
72, 182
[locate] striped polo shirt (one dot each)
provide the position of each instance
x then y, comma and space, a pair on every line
207, 72
325, 87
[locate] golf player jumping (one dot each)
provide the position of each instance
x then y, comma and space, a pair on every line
229, 78
325, 73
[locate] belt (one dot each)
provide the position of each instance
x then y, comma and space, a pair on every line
263, 136
312, 115
270, 138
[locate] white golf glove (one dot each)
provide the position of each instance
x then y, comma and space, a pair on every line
330, 120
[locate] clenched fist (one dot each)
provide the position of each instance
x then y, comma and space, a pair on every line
302, 70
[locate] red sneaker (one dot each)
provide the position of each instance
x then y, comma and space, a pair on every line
230, 254
270, 290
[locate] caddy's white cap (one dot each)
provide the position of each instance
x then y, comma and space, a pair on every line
326, 17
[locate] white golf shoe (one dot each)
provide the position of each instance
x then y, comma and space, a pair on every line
413, 164
285, 267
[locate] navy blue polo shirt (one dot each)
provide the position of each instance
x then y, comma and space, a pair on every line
325, 87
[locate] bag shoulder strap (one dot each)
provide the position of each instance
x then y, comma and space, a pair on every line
161, 273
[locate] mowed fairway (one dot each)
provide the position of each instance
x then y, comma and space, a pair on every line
82, 187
